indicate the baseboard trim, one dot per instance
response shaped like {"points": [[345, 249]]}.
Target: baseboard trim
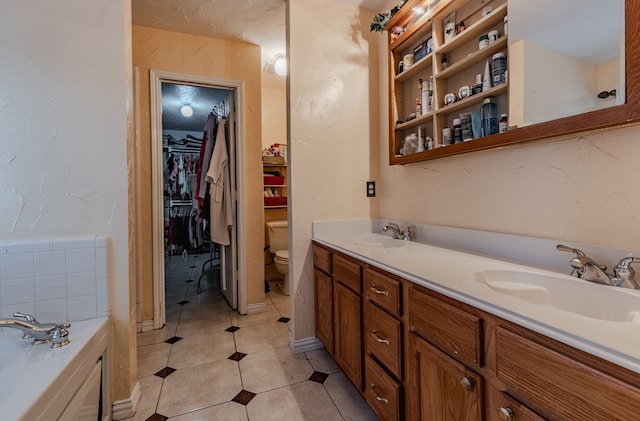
{"points": [[147, 325], [304, 345], [126, 408], [256, 308]]}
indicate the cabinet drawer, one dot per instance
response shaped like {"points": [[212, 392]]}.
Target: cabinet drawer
{"points": [[562, 387], [383, 338], [455, 331], [322, 259], [348, 272], [384, 291], [382, 393], [510, 407]]}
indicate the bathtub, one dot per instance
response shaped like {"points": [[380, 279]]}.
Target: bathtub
{"points": [[38, 382]]}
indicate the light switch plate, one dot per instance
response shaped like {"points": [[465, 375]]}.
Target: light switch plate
{"points": [[371, 189]]}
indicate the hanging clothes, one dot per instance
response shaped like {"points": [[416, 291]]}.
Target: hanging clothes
{"points": [[220, 189], [208, 140]]}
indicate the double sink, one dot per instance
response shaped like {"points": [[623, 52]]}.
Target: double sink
{"points": [[546, 290]]}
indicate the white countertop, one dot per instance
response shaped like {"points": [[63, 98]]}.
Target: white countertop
{"points": [[455, 274], [32, 377]]}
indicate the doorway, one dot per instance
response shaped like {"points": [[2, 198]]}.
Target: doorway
{"points": [[176, 143]]}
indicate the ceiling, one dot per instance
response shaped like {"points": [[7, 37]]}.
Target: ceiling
{"points": [[259, 22]]}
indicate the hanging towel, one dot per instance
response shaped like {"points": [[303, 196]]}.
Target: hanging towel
{"points": [[208, 140], [220, 189]]}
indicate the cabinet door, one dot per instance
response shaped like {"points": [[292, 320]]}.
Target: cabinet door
{"points": [[347, 307], [324, 308], [440, 388]]}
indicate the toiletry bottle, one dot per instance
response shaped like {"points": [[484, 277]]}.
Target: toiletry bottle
{"points": [[489, 117], [477, 88], [426, 106], [499, 67], [486, 81], [504, 123], [418, 107], [457, 130], [447, 136], [430, 99], [420, 140], [428, 143]]}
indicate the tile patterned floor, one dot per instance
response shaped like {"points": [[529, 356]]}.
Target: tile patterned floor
{"points": [[210, 363]]}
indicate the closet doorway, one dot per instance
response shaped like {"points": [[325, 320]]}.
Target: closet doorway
{"points": [[180, 210]]}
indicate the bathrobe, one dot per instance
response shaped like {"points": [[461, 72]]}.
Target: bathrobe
{"points": [[220, 189]]}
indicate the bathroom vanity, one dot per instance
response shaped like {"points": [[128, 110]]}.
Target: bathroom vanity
{"points": [[430, 333]]}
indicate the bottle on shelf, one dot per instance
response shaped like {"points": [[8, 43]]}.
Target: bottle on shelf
{"points": [[504, 123], [426, 105], [457, 130], [489, 117]]}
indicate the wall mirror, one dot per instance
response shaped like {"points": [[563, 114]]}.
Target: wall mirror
{"points": [[564, 58]]}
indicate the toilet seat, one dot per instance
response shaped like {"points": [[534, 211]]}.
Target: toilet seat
{"points": [[282, 255]]}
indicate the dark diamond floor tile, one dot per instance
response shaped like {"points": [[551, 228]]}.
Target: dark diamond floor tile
{"points": [[244, 397], [237, 356], [173, 340], [189, 280], [191, 267], [283, 319], [232, 329], [165, 372], [183, 302], [157, 417], [318, 377]]}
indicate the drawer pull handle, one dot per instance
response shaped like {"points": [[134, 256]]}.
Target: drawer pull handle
{"points": [[467, 383], [378, 338], [506, 414], [377, 291], [378, 398]]}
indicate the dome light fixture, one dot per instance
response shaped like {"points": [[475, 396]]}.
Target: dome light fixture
{"points": [[280, 65], [186, 110]]}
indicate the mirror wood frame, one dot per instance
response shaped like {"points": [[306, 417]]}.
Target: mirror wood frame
{"points": [[607, 117]]}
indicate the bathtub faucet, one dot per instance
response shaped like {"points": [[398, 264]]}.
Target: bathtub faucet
{"points": [[56, 333]]}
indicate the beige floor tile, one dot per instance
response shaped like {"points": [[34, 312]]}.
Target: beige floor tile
{"points": [[272, 369], [349, 402], [198, 387], [205, 306], [302, 401], [262, 337], [150, 387], [321, 361], [158, 335], [152, 358], [229, 411], [284, 307], [276, 293], [270, 315], [203, 324], [200, 349], [172, 312]]}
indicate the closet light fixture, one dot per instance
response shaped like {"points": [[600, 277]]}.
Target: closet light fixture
{"points": [[280, 65], [186, 110]]}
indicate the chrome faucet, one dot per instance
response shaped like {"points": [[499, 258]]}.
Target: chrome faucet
{"points": [[586, 268], [56, 333], [399, 234]]}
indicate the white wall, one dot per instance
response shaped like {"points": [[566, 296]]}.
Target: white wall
{"points": [[331, 111], [64, 113], [274, 115]]}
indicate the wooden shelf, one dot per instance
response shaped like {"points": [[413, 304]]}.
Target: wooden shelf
{"points": [[472, 100], [473, 58]]}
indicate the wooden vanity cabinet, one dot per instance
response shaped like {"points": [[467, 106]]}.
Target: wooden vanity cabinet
{"points": [[416, 354], [323, 288], [347, 317]]}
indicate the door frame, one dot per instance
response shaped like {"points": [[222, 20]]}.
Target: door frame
{"points": [[156, 78]]}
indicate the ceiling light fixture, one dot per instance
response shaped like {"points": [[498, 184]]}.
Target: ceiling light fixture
{"points": [[418, 11], [280, 65], [186, 110]]}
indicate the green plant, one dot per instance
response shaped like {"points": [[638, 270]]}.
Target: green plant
{"points": [[380, 19]]}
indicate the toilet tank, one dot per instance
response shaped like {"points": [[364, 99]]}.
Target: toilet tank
{"points": [[278, 235]]}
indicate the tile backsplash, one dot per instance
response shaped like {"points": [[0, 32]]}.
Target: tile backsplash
{"points": [[58, 279]]}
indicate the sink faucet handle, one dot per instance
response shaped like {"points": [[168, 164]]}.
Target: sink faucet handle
{"points": [[406, 234], [624, 273], [562, 247], [28, 317]]}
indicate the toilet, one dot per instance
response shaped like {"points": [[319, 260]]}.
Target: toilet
{"points": [[278, 237]]}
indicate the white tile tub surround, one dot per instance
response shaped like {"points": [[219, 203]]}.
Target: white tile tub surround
{"points": [[58, 279]]}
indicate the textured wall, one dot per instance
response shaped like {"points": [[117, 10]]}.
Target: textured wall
{"points": [[65, 104], [274, 115], [333, 105], [195, 55]]}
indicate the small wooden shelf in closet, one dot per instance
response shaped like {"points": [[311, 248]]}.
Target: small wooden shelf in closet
{"points": [[277, 184]]}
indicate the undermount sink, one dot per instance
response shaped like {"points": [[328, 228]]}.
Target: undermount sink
{"points": [[378, 240], [565, 293]]}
